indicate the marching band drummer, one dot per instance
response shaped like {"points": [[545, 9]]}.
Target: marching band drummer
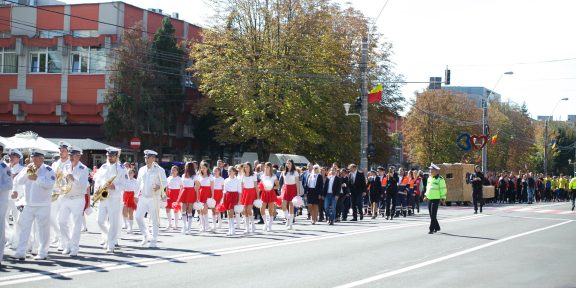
{"points": [[57, 166], [38, 179], [151, 183], [5, 189], [113, 175], [72, 203]]}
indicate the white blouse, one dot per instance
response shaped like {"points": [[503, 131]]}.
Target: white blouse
{"points": [[268, 182], [131, 185], [174, 182], [204, 181], [188, 182], [290, 178], [232, 185], [248, 181], [218, 183]]}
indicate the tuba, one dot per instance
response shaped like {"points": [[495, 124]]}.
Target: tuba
{"points": [[63, 184], [102, 192]]}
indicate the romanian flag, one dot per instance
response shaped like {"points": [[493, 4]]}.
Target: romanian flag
{"points": [[494, 139], [375, 95]]}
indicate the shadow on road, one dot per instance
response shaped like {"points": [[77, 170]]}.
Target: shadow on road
{"points": [[465, 236]]}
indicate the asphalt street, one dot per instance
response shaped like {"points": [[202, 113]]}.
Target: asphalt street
{"points": [[506, 246]]}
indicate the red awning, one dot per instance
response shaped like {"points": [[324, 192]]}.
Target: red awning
{"points": [[7, 42], [40, 42], [82, 109], [88, 41], [38, 108]]}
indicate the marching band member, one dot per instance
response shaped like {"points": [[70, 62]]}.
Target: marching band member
{"points": [[290, 179], [172, 192], [72, 203], [151, 184], [218, 187], [5, 188], [57, 166], [112, 176], [129, 200], [15, 168], [38, 179], [205, 186], [269, 182], [187, 196], [231, 198], [249, 194]]}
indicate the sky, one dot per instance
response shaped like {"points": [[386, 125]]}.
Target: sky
{"points": [[479, 40]]}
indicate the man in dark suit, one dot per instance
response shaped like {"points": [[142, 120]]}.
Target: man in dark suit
{"points": [[331, 193], [357, 191], [223, 171]]}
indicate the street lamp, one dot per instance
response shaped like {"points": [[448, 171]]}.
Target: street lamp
{"points": [[573, 164], [546, 135], [485, 121], [347, 109]]}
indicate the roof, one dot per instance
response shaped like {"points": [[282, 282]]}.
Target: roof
{"points": [[84, 144]]}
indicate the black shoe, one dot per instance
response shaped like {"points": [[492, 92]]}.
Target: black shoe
{"points": [[480, 209], [354, 219], [361, 217], [572, 207], [386, 217], [475, 212], [261, 222], [437, 230], [431, 232]]}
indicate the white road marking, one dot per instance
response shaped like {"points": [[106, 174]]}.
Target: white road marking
{"points": [[67, 272], [444, 258]]}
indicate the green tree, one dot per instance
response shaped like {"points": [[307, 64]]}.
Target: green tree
{"points": [[276, 74]]}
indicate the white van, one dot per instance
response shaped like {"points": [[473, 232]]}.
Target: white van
{"points": [[281, 159]]}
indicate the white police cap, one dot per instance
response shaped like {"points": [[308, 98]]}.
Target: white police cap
{"points": [[150, 153], [434, 166], [38, 153], [74, 150], [112, 151], [15, 152], [64, 144]]}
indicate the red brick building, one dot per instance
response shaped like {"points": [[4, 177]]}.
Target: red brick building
{"points": [[55, 64]]}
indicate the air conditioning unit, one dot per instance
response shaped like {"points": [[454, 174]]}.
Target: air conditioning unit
{"points": [[175, 15]]}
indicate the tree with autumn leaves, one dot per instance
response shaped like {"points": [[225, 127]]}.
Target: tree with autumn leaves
{"points": [[275, 75]]}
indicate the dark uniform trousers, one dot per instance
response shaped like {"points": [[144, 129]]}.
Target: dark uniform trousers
{"points": [[433, 210]]}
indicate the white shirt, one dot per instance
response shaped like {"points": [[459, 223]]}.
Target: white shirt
{"points": [[174, 182], [6, 182], [312, 178], [248, 181], [268, 182], [106, 172], [58, 167], [290, 178], [131, 185], [15, 187], [148, 178], [330, 184], [204, 181], [232, 185], [80, 183], [218, 183], [39, 192], [188, 182]]}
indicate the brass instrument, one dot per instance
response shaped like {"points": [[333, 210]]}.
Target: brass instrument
{"points": [[63, 184], [31, 169], [102, 192]]}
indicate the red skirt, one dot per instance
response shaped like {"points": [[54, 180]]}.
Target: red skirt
{"points": [[230, 200], [129, 199], [172, 197], [187, 195], [289, 192], [218, 196], [268, 196], [205, 193], [248, 196]]}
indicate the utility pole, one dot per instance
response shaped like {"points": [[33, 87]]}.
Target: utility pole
{"points": [[364, 111], [485, 132], [546, 147]]}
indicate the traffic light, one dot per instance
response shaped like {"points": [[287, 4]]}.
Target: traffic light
{"points": [[371, 150], [447, 76], [358, 103]]}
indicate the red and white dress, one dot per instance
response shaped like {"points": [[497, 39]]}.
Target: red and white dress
{"points": [[289, 190], [218, 187], [248, 190], [173, 190], [205, 188], [231, 192], [267, 193], [128, 196], [188, 193]]}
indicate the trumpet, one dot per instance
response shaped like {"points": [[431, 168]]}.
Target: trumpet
{"points": [[102, 192], [31, 169]]}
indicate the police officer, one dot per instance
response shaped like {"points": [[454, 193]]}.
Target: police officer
{"points": [[72, 203], [110, 208], [477, 179], [38, 179], [572, 187], [435, 193], [5, 188], [151, 182]]}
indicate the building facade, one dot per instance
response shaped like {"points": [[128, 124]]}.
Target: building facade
{"points": [[55, 63], [476, 94]]}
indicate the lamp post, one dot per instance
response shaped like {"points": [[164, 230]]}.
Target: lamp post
{"points": [[573, 164], [546, 135], [347, 109], [485, 122]]}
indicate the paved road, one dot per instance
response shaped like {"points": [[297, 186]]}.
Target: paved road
{"points": [[507, 246]]}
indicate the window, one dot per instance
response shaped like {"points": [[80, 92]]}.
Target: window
{"points": [[8, 60], [5, 35], [45, 60], [51, 33], [85, 33], [88, 60]]}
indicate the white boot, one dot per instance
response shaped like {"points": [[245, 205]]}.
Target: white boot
{"points": [[184, 224], [125, 226], [130, 225], [253, 224], [237, 218], [233, 227], [176, 217], [169, 216], [219, 218], [247, 224], [290, 221], [268, 223], [189, 228]]}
